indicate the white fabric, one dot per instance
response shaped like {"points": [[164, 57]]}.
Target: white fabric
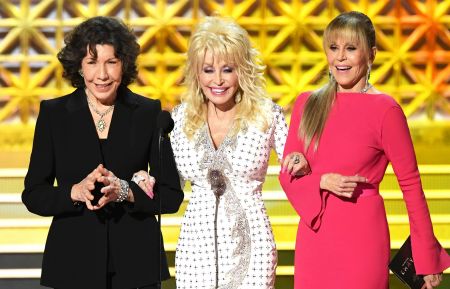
{"points": [[247, 255]]}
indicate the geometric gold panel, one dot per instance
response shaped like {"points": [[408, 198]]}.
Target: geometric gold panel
{"points": [[412, 63]]}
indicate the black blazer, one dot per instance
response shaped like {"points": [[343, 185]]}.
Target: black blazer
{"points": [[66, 149]]}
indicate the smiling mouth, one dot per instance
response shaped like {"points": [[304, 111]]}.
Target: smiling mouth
{"points": [[343, 68], [101, 86], [218, 91]]}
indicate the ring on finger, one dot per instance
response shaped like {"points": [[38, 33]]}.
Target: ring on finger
{"points": [[137, 179], [296, 159]]}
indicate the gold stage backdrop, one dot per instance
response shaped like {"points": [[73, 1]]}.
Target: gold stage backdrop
{"points": [[412, 63]]}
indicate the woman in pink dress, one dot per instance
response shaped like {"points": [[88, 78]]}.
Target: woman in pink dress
{"points": [[349, 132]]}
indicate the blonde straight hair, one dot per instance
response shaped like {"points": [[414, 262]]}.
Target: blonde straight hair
{"points": [[227, 41], [357, 28]]}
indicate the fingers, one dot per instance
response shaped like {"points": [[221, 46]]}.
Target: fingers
{"points": [[145, 182], [150, 183], [89, 205], [82, 192], [105, 199], [356, 179], [112, 186], [295, 164], [340, 185], [432, 280], [428, 284]]}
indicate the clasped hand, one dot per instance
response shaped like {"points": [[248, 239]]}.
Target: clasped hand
{"points": [[82, 192]]}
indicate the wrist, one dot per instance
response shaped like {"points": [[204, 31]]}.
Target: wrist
{"points": [[322, 183], [124, 191], [130, 197]]}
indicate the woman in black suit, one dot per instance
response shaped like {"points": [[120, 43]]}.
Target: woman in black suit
{"points": [[87, 144]]}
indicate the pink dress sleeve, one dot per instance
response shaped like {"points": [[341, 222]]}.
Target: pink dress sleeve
{"points": [[304, 192], [429, 256]]}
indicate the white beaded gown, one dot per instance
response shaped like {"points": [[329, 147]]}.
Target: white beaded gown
{"points": [[227, 241]]}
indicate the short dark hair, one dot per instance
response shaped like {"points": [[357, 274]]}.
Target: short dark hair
{"points": [[99, 30]]}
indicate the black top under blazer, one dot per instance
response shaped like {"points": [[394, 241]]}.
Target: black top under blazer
{"points": [[66, 149]]}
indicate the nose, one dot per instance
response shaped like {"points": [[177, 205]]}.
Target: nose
{"points": [[341, 55], [218, 78], [102, 72]]}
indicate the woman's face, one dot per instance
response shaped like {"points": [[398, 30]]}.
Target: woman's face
{"points": [[348, 63], [102, 75], [218, 81]]}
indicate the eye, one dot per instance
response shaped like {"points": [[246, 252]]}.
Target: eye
{"points": [[228, 69], [208, 70], [113, 61], [351, 48], [333, 47]]}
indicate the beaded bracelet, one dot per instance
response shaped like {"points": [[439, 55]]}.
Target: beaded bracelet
{"points": [[123, 193]]}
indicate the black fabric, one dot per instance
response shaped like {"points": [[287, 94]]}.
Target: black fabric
{"points": [[66, 149]]}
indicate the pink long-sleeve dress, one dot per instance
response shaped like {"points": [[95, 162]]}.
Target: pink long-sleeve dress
{"points": [[344, 243]]}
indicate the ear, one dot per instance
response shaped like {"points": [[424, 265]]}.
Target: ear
{"points": [[373, 52]]}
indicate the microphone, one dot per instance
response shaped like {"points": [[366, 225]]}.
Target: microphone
{"points": [[165, 124]]}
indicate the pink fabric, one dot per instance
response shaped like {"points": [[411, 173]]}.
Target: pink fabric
{"points": [[344, 243]]}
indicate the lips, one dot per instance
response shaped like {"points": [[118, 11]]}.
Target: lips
{"points": [[343, 68], [218, 91], [102, 86]]}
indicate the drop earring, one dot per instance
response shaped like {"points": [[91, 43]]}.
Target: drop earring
{"points": [[368, 85], [238, 97], [330, 75]]}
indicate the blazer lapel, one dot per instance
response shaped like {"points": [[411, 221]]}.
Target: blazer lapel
{"points": [[119, 135], [83, 133]]}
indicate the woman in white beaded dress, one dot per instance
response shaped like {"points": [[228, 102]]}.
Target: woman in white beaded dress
{"points": [[224, 131]]}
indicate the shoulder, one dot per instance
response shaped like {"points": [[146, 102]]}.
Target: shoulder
{"points": [[382, 101], [143, 101], [59, 104], [178, 111], [54, 102], [303, 97], [277, 110], [300, 101]]}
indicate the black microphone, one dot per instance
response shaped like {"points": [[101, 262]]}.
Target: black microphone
{"points": [[165, 124]]}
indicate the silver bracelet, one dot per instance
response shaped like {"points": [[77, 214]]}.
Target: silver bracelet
{"points": [[123, 193]]}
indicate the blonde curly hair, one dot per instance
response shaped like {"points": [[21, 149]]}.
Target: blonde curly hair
{"points": [[227, 41]]}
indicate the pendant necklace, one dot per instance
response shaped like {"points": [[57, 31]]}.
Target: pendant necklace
{"points": [[101, 123]]}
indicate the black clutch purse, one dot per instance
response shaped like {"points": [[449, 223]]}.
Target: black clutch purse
{"points": [[402, 265]]}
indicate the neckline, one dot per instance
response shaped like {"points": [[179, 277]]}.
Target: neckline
{"points": [[225, 139], [356, 92]]}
